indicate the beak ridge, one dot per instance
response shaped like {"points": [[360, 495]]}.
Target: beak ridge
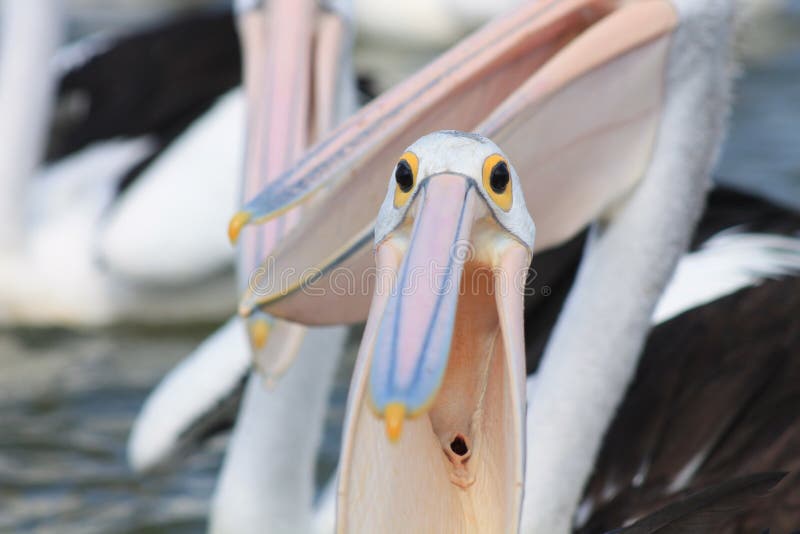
{"points": [[407, 370]]}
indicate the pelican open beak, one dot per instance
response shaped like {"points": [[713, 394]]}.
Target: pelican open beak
{"points": [[295, 83], [572, 89], [436, 412]]}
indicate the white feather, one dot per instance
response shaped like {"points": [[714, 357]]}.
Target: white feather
{"points": [[325, 510], [198, 384], [53, 277], [80, 52], [725, 264], [170, 226], [30, 35], [267, 482], [51, 222]]}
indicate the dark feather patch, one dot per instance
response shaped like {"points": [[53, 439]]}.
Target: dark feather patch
{"points": [[723, 379], [707, 510], [152, 81]]}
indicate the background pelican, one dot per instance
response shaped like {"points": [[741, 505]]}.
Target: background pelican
{"points": [[73, 252], [275, 460], [313, 42]]}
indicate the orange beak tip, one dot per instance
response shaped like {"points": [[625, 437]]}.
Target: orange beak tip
{"points": [[259, 334], [238, 222], [394, 416]]}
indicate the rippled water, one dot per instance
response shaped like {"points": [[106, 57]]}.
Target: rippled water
{"points": [[67, 399], [67, 402]]}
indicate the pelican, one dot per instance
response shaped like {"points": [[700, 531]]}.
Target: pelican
{"points": [[441, 369], [299, 81], [310, 42], [613, 113], [74, 238]]}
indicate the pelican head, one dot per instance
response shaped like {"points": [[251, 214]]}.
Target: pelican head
{"points": [[441, 369]]}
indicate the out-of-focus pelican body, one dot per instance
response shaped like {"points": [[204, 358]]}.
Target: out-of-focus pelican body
{"points": [[299, 83], [612, 112], [37, 28], [59, 217]]}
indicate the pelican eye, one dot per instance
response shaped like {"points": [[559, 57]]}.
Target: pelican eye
{"points": [[405, 177], [497, 181], [499, 178]]}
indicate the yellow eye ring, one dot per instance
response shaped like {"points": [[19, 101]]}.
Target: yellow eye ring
{"points": [[497, 181], [405, 176]]}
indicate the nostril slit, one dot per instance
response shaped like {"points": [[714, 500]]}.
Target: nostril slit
{"points": [[459, 445]]}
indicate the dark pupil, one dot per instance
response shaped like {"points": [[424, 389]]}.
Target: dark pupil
{"points": [[499, 178], [404, 176]]}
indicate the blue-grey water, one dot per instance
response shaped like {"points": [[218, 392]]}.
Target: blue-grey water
{"points": [[67, 399], [762, 152], [66, 404]]}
